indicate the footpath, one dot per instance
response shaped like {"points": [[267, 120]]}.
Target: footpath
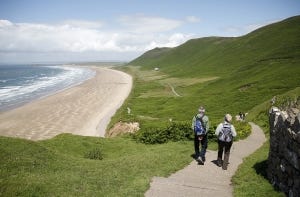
{"points": [[208, 179]]}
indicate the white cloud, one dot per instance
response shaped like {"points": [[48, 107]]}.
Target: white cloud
{"points": [[239, 31], [84, 24], [43, 38], [253, 27], [24, 37], [192, 19], [134, 35], [172, 40], [5, 23]]}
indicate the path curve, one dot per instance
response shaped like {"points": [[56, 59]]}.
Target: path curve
{"points": [[207, 180], [173, 90]]}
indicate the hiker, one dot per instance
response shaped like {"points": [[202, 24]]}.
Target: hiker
{"points": [[225, 132], [200, 126], [241, 115]]}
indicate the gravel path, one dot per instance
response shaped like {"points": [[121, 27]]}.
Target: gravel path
{"points": [[208, 179]]}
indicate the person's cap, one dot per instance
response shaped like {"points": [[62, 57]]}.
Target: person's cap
{"points": [[201, 109], [228, 117]]}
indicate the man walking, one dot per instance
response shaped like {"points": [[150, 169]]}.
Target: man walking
{"points": [[200, 125]]}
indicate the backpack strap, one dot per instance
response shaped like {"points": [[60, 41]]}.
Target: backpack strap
{"points": [[196, 116], [227, 123]]}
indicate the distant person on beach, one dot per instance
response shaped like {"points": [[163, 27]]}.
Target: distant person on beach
{"points": [[200, 126], [225, 133]]}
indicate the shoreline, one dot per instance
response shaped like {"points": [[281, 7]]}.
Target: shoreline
{"points": [[53, 90], [84, 109]]}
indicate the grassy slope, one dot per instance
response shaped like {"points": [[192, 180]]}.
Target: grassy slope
{"points": [[57, 167], [250, 70], [252, 173], [239, 73]]}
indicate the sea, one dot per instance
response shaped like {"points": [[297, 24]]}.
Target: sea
{"points": [[21, 84]]}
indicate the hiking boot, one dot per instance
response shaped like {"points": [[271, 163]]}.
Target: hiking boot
{"points": [[200, 161], [225, 162], [219, 162], [196, 155]]}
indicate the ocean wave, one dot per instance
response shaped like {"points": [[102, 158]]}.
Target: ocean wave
{"points": [[42, 85]]}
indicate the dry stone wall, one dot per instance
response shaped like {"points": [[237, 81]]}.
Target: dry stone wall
{"points": [[284, 156]]}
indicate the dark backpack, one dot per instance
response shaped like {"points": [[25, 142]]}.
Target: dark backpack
{"points": [[198, 127], [225, 135]]}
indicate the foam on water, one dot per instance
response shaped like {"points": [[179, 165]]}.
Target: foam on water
{"points": [[17, 91]]}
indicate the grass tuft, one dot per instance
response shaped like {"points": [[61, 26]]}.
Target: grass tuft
{"points": [[95, 154]]}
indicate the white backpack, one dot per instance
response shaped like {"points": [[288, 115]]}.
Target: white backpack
{"points": [[225, 134]]}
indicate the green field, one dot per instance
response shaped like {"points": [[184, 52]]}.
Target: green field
{"points": [[70, 166], [227, 75]]}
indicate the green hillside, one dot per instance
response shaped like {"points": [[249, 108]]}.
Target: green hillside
{"points": [[217, 55], [237, 73]]}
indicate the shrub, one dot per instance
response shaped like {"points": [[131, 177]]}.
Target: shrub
{"points": [[284, 102], [243, 129], [175, 131], [178, 131], [211, 133], [95, 154]]}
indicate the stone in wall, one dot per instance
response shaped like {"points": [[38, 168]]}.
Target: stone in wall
{"points": [[284, 155]]}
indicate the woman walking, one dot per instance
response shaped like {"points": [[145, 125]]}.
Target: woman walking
{"points": [[225, 132]]}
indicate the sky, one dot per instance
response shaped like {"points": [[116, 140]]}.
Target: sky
{"points": [[40, 31]]}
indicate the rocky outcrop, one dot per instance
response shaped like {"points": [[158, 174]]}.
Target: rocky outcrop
{"points": [[284, 156]]}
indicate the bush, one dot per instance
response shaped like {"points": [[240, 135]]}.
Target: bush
{"points": [[211, 133], [95, 154], [284, 102], [175, 131], [243, 129]]}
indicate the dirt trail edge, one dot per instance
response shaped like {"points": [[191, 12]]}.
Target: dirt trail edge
{"points": [[208, 179]]}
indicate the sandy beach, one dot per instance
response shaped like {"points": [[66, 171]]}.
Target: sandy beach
{"points": [[85, 109]]}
